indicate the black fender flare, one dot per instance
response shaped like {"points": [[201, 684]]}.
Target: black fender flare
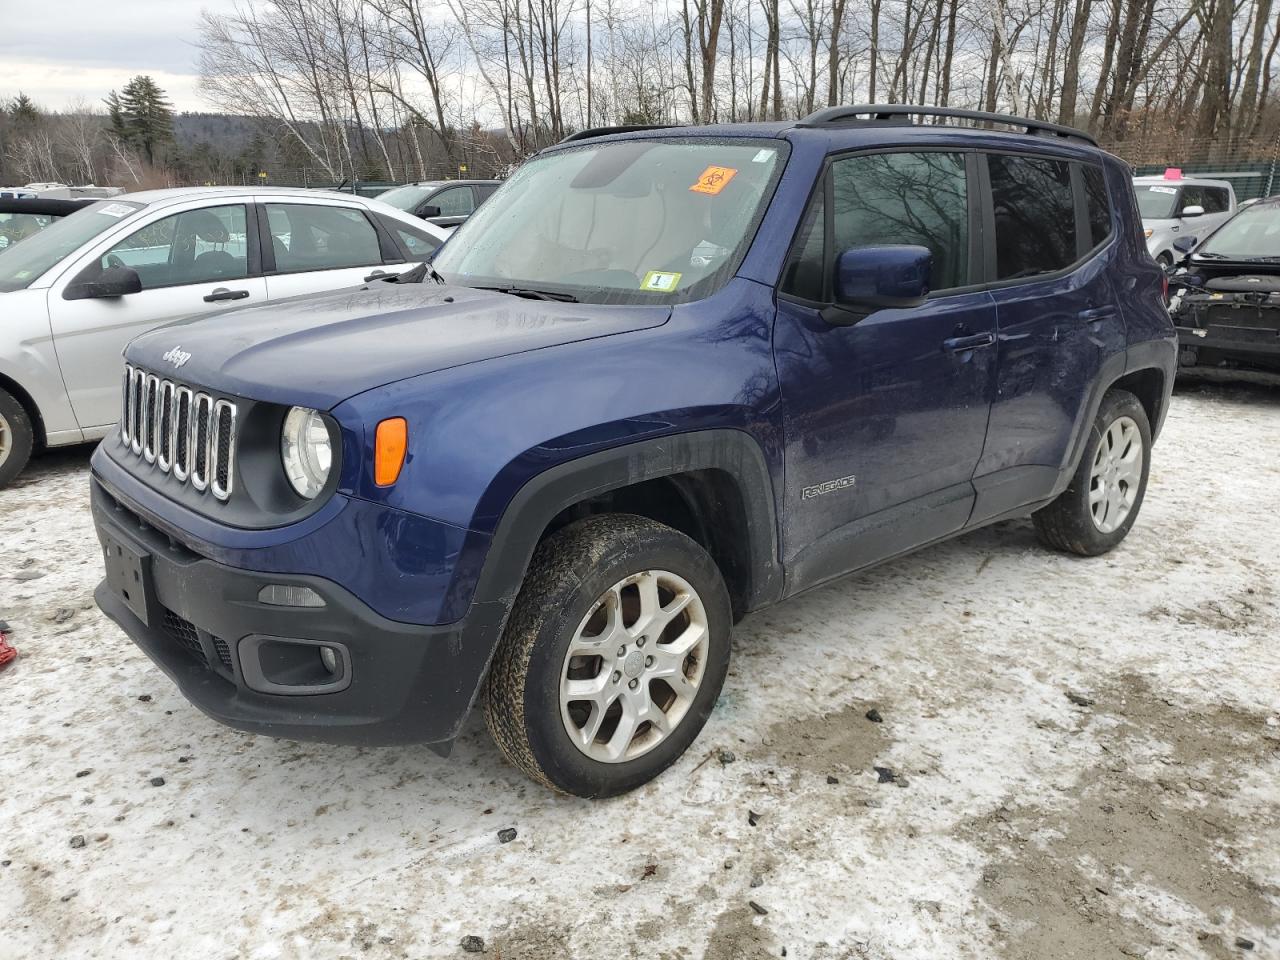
{"points": [[545, 495]]}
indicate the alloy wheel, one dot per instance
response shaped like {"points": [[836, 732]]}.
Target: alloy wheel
{"points": [[1116, 476], [634, 666], [6, 439]]}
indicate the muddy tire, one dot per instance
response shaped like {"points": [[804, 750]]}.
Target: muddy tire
{"points": [[1100, 506], [612, 658], [16, 438]]}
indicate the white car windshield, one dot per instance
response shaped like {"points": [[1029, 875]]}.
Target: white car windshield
{"points": [[22, 263], [626, 221], [1155, 202], [1253, 234]]}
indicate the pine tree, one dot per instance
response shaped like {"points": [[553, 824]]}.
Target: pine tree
{"points": [[141, 116], [23, 112]]}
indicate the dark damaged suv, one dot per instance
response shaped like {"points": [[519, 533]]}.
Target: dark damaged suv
{"points": [[1226, 304], [663, 378]]}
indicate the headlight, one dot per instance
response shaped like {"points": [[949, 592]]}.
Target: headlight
{"points": [[305, 451]]}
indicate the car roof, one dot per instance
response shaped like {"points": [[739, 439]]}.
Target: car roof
{"points": [[443, 183], [828, 131], [1157, 179], [176, 194]]}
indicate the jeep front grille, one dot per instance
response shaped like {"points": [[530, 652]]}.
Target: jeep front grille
{"points": [[189, 434]]}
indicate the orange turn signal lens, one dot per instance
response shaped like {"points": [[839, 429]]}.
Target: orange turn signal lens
{"points": [[388, 450]]}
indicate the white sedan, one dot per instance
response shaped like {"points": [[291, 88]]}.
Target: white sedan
{"points": [[73, 295]]}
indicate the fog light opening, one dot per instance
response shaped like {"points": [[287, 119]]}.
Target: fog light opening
{"points": [[329, 658], [283, 595]]}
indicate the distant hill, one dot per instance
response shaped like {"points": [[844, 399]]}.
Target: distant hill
{"points": [[231, 134]]}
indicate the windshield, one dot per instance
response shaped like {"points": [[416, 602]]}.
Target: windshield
{"points": [[629, 221], [1155, 202], [22, 263], [19, 226], [408, 196], [1252, 234]]}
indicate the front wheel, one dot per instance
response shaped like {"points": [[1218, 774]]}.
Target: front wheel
{"points": [[16, 438], [1096, 511], [613, 657]]}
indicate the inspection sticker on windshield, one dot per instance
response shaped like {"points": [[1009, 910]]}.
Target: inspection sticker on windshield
{"points": [[660, 281], [713, 179], [1163, 189], [116, 210]]}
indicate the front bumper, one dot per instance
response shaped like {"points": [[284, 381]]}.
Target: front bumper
{"points": [[199, 620]]}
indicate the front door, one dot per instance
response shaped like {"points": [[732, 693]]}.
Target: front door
{"points": [[194, 262], [885, 419]]}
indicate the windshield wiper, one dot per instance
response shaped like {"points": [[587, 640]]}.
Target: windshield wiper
{"points": [[531, 294], [421, 272]]}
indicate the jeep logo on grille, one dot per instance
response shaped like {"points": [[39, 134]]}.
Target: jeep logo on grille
{"points": [[177, 356]]}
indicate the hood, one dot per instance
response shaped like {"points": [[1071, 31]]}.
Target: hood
{"points": [[319, 350]]}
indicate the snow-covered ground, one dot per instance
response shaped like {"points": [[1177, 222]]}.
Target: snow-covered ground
{"points": [[1141, 818]]}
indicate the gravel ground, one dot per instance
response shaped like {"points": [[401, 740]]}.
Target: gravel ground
{"points": [[1081, 759]]}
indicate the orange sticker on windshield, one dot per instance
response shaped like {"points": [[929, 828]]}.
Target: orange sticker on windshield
{"points": [[713, 179]]}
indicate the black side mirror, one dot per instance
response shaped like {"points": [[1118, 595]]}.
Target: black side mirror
{"points": [[430, 210], [877, 278], [1184, 245], [111, 282]]}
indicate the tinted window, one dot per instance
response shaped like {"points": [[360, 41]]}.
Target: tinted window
{"points": [[485, 190], [454, 202], [1216, 200], [1034, 214], [307, 237], [419, 243], [806, 267], [913, 198], [1098, 204], [195, 246], [1191, 197]]}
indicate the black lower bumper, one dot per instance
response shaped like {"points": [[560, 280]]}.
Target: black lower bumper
{"points": [[201, 622]]}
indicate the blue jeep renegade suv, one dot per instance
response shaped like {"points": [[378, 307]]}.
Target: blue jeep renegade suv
{"points": [[663, 378]]}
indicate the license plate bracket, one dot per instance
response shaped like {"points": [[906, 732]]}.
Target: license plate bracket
{"points": [[129, 576]]}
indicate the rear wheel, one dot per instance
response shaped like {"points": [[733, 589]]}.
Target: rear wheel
{"points": [[1100, 506], [613, 656], [16, 438]]}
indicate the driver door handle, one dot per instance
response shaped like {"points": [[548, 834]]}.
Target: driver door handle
{"points": [[973, 342], [223, 293]]}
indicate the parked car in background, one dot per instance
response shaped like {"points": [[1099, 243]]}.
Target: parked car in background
{"points": [[446, 203], [23, 217], [74, 294], [1173, 206], [1226, 305], [663, 378]]}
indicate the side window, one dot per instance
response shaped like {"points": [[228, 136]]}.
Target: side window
{"points": [[805, 271], [420, 244], [454, 202], [913, 198], [485, 190], [311, 237], [195, 246], [1034, 215], [1215, 200], [1191, 197], [1097, 203]]}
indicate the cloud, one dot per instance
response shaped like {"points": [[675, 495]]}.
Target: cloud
{"points": [[65, 50]]}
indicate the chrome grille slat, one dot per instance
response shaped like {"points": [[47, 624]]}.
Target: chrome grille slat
{"points": [[190, 435]]}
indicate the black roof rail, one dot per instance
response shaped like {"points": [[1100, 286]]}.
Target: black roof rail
{"points": [[626, 128], [900, 112]]}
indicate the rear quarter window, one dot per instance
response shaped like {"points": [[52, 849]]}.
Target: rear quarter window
{"points": [[1097, 203]]}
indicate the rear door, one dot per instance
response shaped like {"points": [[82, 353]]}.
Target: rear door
{"points": [[884, 419], [1058, 320], [198, 260], [314, 246]]}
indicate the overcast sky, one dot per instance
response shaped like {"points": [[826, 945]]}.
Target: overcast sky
{"points": [[58, 51]]}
